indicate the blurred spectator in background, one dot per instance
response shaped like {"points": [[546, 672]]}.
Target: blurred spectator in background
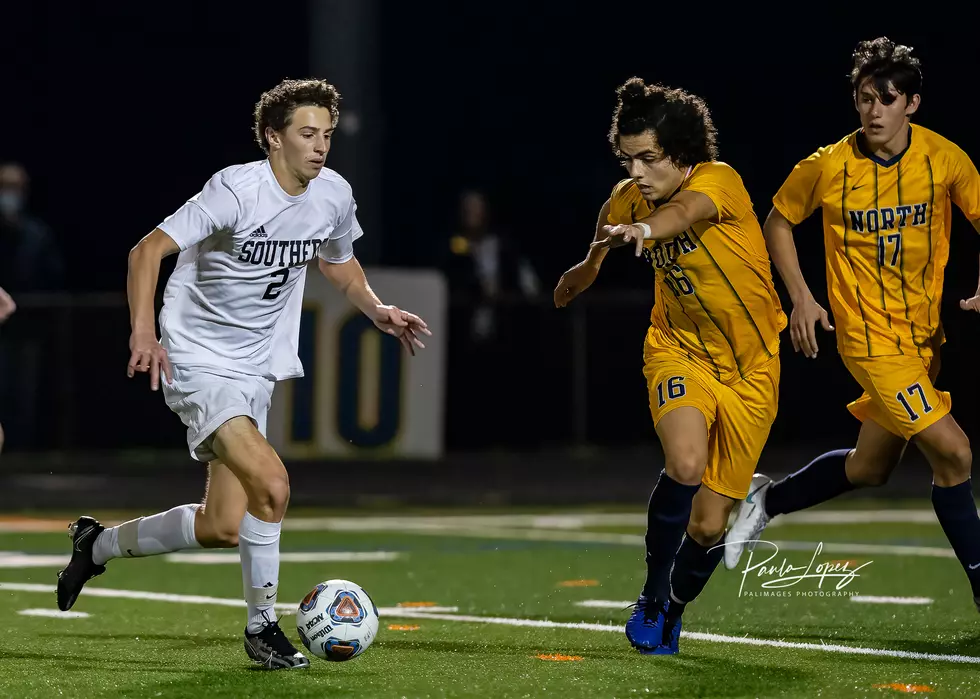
{"points": [[486, 264], [31, 261], [490, 283], [7, 306]]}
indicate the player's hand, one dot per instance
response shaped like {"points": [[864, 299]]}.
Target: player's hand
{"points": [[148, 355], [971, 304], [7, 306], [620, 235], [802, 326], [574, 282], [401, 324]]}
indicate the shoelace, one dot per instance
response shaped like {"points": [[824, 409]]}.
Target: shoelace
{"points": [[277, 639], [650, 611]]}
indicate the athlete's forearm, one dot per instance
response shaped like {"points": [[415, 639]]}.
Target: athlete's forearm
{"points": [[349, 278], [668, 221], [978, 285], [779, 241], [680, 213], [362, 296], [141, 283], [597, 255]]}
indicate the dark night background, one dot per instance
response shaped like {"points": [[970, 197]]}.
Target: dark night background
{"points": [[122, 113]]}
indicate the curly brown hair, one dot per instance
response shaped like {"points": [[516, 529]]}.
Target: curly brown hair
{"points": [[886, 62], [275, 107], [680, 120]]}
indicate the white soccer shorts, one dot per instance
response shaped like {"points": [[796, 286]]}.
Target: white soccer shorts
{"points": [[206, 397]]}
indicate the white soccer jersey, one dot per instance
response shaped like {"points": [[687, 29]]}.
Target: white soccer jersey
{"points": [[234, 300]]}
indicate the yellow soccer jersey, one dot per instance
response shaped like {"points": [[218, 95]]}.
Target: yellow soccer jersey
{"points": [[886, 233], [715, 297]]}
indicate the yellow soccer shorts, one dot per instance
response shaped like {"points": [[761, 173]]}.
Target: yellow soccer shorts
{"points": [[898, 392], [738, 417]]}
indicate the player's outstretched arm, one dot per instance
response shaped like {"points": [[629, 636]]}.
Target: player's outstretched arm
{"points": [[973, 303], [806, 312], [667, 221], [348, 277], [146, 353], [580, 277], [7, 305]]}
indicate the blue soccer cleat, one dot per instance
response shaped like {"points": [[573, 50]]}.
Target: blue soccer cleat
{"points": [[671, 635], [645, 627]]}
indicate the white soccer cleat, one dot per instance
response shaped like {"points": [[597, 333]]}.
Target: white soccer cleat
{"points": [[750, 521]]}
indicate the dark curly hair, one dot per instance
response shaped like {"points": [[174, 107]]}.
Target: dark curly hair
{"points": [[886, 62], [275, 107], [680, 120]]}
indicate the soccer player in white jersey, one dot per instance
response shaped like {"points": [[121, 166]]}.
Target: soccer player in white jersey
{"points": [[228, 331]]}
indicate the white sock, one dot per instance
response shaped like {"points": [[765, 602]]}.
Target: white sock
{"points": [[164, 532], [258, 543]]}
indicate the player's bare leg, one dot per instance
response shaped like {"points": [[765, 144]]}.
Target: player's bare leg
{"points": [[684, 436], [870, 463], [947, 448], [220, 516], [247, 454], [212, 524], [696, 560]]}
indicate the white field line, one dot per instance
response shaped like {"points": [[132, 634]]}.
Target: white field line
{"points": [[504, 621], [554, 521], [54, 613], [866, 599], [604, 604], [212, 558], [11, 559], [283, 607], [869, 549], [583, 521], [16, 559]]}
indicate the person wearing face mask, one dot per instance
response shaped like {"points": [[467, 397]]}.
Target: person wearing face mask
{"points": [[7, 307], [32, 259], [31, 262]]}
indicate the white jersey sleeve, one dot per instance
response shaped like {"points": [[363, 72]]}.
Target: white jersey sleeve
{"points": [[214, 209], [339, 246]]}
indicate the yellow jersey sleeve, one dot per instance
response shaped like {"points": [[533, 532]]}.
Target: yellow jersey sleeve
{"points": [[964, 185], [801, 192], [623, 202], [720, 183]]}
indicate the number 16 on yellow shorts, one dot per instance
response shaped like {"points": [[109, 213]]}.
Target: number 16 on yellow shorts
{"points": [[738, 417]]}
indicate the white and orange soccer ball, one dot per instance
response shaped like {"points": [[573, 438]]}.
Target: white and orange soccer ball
{"points": [[337, 620]]}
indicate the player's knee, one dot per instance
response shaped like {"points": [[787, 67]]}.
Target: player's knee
{"points": [[868, 478], [270, 495], [687, 467], [867, 473], [707, 530], [223, 536], [213, 531], [955, 466]]}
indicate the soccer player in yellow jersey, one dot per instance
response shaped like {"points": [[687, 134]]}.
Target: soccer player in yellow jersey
{"points": [[711, 355], [887, 193]]}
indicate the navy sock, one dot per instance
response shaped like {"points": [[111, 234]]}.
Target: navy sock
{"points": [[820, 480], [957, 513], [667, 518], [693, 565]]}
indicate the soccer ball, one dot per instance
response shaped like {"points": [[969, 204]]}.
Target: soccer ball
{"points": [[337, 620]]}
